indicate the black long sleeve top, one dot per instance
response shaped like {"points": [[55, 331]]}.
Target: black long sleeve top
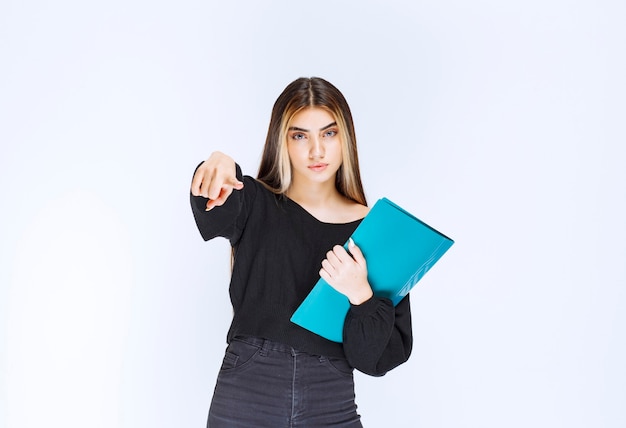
{"points": [[278, 248]]}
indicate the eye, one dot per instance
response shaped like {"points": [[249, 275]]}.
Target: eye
{"points": [[298, 136], [330, 133]]}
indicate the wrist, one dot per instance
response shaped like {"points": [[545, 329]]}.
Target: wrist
{"points": [[362, 296]]}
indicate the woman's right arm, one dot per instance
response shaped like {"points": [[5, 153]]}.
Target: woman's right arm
{"points": [[215, 198], [215, 179]]}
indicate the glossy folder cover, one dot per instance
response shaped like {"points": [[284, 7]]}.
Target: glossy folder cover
{"points": [[399, 249]]}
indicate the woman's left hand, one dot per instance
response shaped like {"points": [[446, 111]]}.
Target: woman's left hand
{"points": [[347, 273]]}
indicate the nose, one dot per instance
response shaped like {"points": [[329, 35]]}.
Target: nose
{"points": [[317, 149]]}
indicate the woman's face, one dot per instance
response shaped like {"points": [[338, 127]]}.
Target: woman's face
{"points": [[314, 146]]}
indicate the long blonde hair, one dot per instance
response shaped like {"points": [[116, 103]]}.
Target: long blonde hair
{"points": [[275, 168]]}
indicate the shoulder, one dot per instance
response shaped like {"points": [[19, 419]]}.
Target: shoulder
{"points": [[350, 211], [362, 210]]}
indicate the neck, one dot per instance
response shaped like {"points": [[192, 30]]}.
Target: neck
{"points": [[313, 194]]}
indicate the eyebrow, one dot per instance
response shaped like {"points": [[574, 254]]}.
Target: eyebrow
{"points": [[295, 128]]}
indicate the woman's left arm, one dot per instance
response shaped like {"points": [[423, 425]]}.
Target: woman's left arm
{"points": [[377, 335]]}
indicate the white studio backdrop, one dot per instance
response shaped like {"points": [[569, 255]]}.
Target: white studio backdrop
{"points": [[500, 123]]}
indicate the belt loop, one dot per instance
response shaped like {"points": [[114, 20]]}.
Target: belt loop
{"points": [[264, 348]]}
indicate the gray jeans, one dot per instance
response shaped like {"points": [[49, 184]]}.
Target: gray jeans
{"points": [[267, 384]]}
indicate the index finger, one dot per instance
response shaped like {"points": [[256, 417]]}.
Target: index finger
{"points": [[355, 252]]}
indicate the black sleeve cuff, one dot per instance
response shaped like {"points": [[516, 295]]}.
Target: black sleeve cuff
{"points": [[368, 307]]}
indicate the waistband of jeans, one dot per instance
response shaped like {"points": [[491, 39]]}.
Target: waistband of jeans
{"points": [[268, 345]]}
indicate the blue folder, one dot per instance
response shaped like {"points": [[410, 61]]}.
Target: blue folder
{"points": [[399, 250]]}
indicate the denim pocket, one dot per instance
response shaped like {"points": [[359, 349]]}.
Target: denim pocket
{"points": [[239, 354], [338, 365]]}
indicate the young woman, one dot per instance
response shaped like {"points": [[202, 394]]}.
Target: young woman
{"points": [[286, 228]]}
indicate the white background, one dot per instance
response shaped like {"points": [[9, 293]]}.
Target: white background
{"points": [[499, 122]]}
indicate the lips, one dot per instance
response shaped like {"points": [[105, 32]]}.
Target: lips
{"points": [[318, 167]]}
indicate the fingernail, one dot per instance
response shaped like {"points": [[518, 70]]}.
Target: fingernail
{"points": [[350, 242]]}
